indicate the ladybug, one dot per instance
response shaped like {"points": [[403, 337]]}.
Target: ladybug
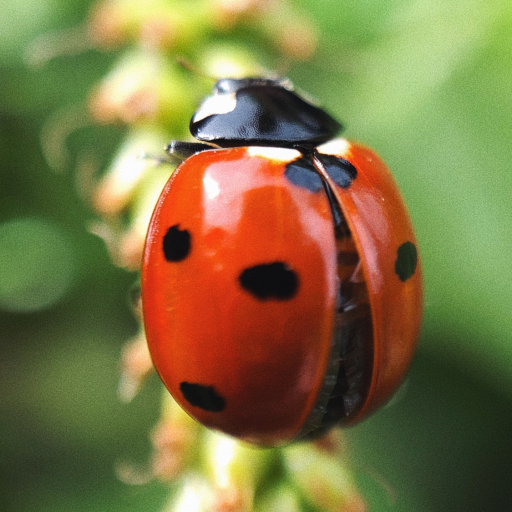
{"points": [[281, 283]]}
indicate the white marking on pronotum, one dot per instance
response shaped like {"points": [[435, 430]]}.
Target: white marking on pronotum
{"points": [[277, 154], [337, 147], [215, 105]]}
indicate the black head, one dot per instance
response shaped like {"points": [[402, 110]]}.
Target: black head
{"points": [[260, 111]]}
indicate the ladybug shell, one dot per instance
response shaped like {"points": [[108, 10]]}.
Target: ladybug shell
{"points": [[383, 234], [240, 284]]}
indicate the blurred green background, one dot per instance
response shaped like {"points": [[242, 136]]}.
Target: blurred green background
{"points": [[428, 84]]}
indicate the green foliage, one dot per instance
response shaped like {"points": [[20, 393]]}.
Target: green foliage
{"points": [[428, 84]]}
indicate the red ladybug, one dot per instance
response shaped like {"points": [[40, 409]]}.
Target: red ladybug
{"points": [[281, 285]]}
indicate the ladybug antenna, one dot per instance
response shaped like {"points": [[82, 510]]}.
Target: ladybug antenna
{"points": [[185, 64]]}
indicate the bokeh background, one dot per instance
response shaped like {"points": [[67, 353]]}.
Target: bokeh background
{"points": [[428, 84]]}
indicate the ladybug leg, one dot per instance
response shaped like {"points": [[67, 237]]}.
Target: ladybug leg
{"points": [[180, 150]]}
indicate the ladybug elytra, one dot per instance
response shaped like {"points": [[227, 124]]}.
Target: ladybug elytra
{"points": [[281, 283]]}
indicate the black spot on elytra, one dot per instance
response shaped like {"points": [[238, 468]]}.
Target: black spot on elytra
{"points": [[270, 281], [204, 397], [302, 172], [341, 171], [176, 244], [406, 261]]}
